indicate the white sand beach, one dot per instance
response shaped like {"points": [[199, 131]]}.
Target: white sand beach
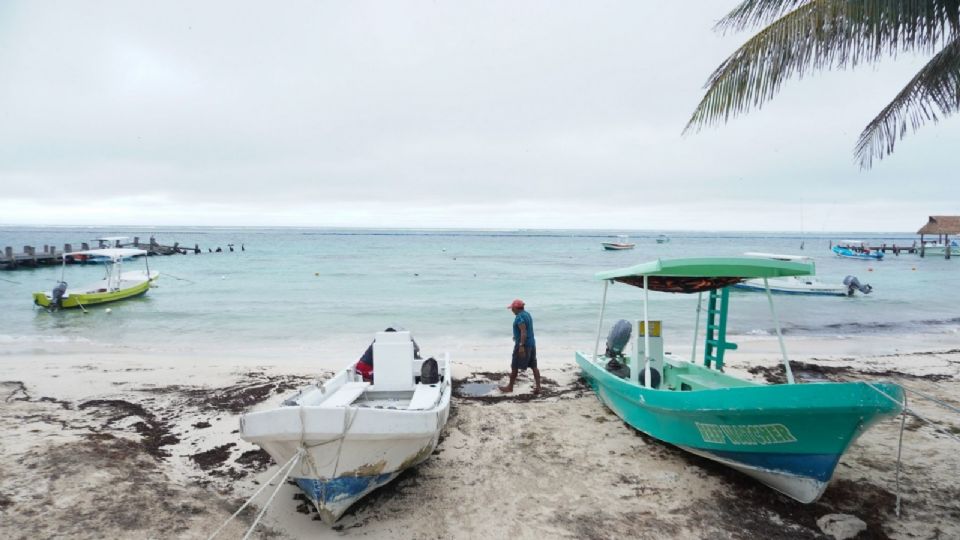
{"points": [[136, 445]]}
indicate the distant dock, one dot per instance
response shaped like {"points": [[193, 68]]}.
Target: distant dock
{"points": [[49, 255]]}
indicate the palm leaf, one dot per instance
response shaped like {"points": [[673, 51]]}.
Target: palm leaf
{"points": [[818, 35], [934, 92], [756, 12]]}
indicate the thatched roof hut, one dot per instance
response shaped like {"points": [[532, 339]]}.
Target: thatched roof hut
{"points": [[949, 225]]}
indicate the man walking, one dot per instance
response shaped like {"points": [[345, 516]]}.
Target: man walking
{"points": [[524, 347]]}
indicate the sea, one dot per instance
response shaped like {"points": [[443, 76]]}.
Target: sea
{"points": [[302, 290]]}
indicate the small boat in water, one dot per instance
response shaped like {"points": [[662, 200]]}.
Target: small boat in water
{"points": [[663, 239], [856, 249], [788, 436], [939, 249], [620, 244], [115, 285], [801, 285], [354, 436]]}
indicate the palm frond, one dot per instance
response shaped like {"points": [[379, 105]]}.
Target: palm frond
{"points": [[933, 93], [755, 12], [820, 35]]}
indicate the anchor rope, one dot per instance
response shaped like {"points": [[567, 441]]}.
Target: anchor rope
{"points": [[349, 415], [904, 411], [254, 496], [273, 495]]}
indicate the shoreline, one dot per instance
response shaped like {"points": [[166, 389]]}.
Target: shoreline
{"points": [[106, 436]]}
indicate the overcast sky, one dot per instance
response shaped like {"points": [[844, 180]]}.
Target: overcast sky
{"points": [[432, 114]]}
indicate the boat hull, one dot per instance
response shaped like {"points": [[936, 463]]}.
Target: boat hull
{"points": [[790, 437], [778, 288], [617, 247]]}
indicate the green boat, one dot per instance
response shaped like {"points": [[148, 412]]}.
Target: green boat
{"points": [[788, 436], [115, 285]]}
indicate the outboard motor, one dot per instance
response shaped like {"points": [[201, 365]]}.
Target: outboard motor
{"points": [[853, 284], [618, 338], [429, 372], [57, 294]]}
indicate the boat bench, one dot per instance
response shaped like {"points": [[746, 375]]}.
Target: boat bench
{"points": [[424, 397], [345, 395], [696, 382]]}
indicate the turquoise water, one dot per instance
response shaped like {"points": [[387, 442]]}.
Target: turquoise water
{"points": [[310, 287]]}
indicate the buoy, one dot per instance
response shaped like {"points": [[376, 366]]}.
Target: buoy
{"points": [[869, 269], [108, 310], [316, 274], [223, 277], [914, 268]]}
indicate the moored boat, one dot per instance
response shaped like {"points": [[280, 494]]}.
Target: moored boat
{"points": [[352, 435], [621, 244], [115, 285], [801, 285], [788, 436], [856, 249]]}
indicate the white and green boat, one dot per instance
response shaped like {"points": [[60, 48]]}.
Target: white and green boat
{"points": [[115, 284], [789, 436]]}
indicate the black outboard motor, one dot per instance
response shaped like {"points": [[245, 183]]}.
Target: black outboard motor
{"points": [[618, 338], [57, 294], [853, 284], [429, 372]]}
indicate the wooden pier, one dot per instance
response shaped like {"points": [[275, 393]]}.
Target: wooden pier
{"points": [[49, 255]]}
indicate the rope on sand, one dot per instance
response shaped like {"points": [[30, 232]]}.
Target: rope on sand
{"points": [[904, 411], [288, 467]]}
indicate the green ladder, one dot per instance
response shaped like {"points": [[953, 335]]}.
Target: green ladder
{"points": [[716, 343]]}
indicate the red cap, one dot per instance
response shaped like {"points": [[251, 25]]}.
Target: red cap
{"points": [[516, 304]]}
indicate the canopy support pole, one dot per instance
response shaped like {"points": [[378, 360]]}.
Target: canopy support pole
{"points": [[603, 306], [696, 327], [63, 267], [646, 333], [776, 323]]}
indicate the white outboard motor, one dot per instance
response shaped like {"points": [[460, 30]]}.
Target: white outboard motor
{"points": [[57, 294], [853, 284]]}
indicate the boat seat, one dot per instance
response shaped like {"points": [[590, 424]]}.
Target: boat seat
{"points": [[345, 395], [698, 382], [424, 397]]}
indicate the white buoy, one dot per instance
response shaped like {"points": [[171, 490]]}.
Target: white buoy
{"points": [[108, 310]]}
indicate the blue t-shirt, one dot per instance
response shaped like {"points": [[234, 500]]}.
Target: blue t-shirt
{"points": [[524, 318]]}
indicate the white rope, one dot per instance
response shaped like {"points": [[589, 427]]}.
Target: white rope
{"points": [[903, 422], [904, 410], [933, 399], [275, 491], [252, 497]]}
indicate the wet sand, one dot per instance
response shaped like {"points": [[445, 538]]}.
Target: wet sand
{"points": [[133, 445]]}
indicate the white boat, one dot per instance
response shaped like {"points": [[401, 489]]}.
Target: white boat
{"points": [[801, 285], [940, 249], [663, 239], [621, 243], [356, 436]]}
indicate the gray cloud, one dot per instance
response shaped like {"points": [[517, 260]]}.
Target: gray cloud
{"points": [[471, 113]]}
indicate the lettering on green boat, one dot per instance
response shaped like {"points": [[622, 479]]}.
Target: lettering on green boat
{"points": [[749, 434]]}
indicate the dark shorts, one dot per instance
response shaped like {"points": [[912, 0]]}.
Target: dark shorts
{"points": [[522, 362]]}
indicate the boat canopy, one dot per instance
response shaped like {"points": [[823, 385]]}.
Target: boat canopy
{"points": [[114, 254], [704, 274]]}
